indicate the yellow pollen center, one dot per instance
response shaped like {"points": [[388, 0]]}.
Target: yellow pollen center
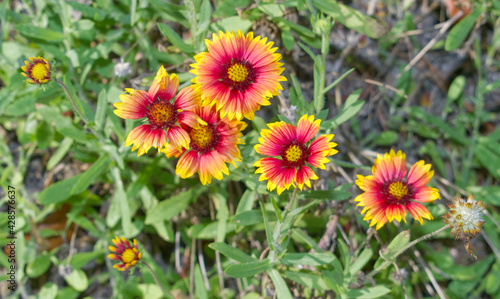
{"points": [[293, 153], [161, 112], [202, 136], [398, 190], [128, 256], [237, 72], [39, 72]]}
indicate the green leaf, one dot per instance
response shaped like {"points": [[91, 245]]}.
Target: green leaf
{"points": [[325, 194], [44, 135], [252, 217], [167, 209], [232, 252], [489, 160], [453, 133], [351, 18], [59, 191], [280, 285], [227, 8], [248, 269], [80, 259], [246, 201], [102, 103], [59, 153], [310, 280], [48, 291], [32, 31], [232, 23], [77, 280], [310, 259], [386, 138], [368, 293], [259, 124], [351, 107], [39, 266], [461, 30], [175, 39], [199, 285], [288, 39], [90, 175], [456, 89], [363, 258]]}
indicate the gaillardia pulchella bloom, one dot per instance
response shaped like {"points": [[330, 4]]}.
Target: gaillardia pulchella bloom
{"points": [[238, 74], [212, 146], [390, 193], [127, 254], [164, 115], [465, 219], [290, 150], [37, 70]]}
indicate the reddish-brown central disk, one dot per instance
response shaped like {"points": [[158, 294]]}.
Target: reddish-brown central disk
{"points": [[238, 75], [161, 115], [397, 192], [295, 154], [204, 138]]}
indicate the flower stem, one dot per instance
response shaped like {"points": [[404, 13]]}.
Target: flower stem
{"points": [[72, 100], [386, 262], [157, 281]]}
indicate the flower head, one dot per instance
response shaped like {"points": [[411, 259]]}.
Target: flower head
{"points": [[37, 70], [390, 193], [465, 219], [164, 115], [238, 73], [289, 148], [212, 145], [127, 254]]}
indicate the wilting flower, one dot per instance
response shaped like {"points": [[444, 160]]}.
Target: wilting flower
{"points": [[465, 219], [289, 149], [163, 114], [390, 194], [212, 146], [238, 73], [37, 70], [127, 254]]}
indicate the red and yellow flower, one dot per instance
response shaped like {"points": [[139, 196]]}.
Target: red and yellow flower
{"points": [[127, 254], [238, 73], [165, 116], [37, 70], [212, 145], [390, 193], [289, 149]]}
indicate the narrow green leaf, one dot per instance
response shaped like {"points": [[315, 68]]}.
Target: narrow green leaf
{"points": [[77, 280], [252, 217], [374, 292], [363, 258], [32, 31], [48, 291], [398, 243], [310, 259], [232, 252], [351, 107], [59, 153], [386, 138], [351, 18], [288, 39], [325, 194], [102, 102], [90, 175], [44, 135], [461, 30], [39, 266], [58, 192], [199, 285], [167, 209], [279, 284], [248, 269], [175, 39], [310, 280], [246, 201]]}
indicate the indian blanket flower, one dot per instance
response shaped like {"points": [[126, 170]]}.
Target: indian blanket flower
{"points": [[124, 252], [290, 151], [238, 73], [212, 145], [164, 115], [37, 70], [465, 219], [390, 193]]}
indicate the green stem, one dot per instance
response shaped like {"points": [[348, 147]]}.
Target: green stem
{"points": [[157, 281], [72, 100], [386, 263]]}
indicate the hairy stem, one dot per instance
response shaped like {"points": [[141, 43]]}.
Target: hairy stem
{"points": [[386, 263]]}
